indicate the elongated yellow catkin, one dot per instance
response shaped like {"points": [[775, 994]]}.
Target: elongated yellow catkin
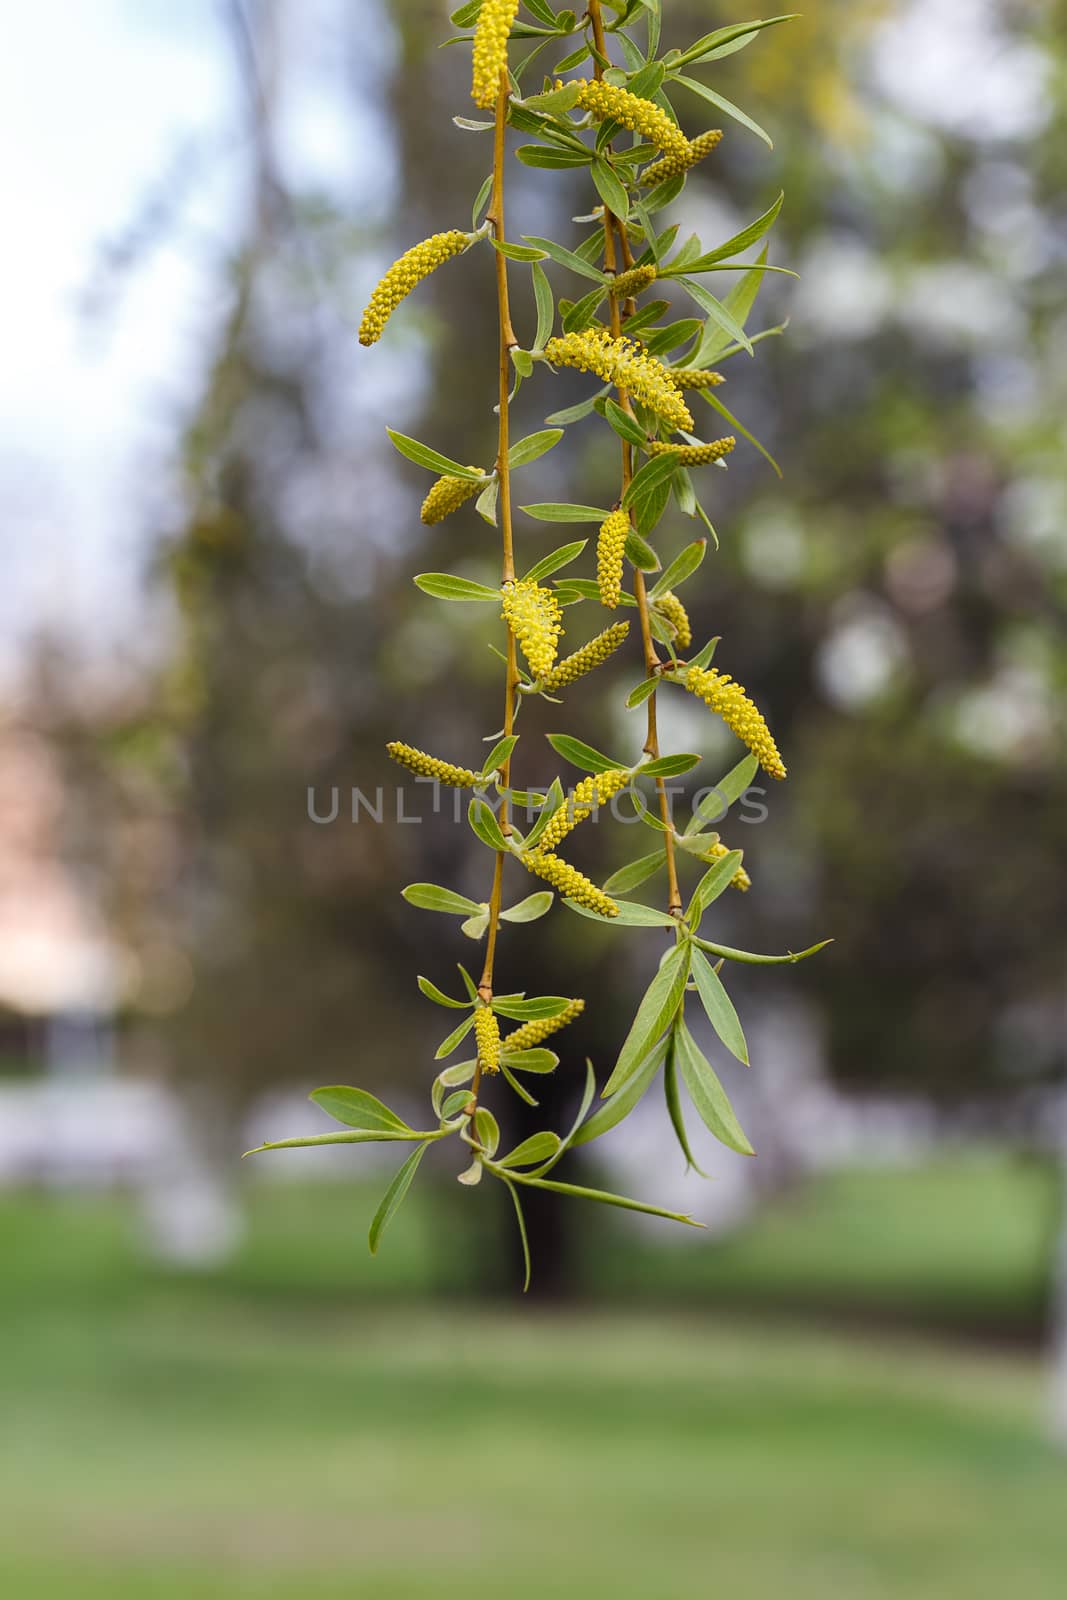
{"points": [[696, 377], [414, 265], [568, 881], [729, 701], [491, 49], [447, 495], [587, 657], [675, 162], [610, 544], [604, 100], [693, 455], [627, 284], [430, 767], [532, 1033], [588, 795], [623, 363], [533, 614], [740, 879], [487, 1038], [676, 617]]}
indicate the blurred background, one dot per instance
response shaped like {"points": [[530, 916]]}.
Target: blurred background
{"points": [[855, 1381]]}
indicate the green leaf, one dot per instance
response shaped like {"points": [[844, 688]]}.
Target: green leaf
{"points": [[635, 872], [546, 307], [545, 1005], [446, 1047], [739, 303], [516, 252], [582, 755], [423, 456], [558, 558], [708, 1094], [438, 996], [498, 755], [519, 1088], [393, 1197], [719, 1007], [717, 311], [528, 910], [555, 101], [610, 190], [431, 897], [485, 505], [749, 956], [674, 1110], [582, 312], [574, 413], [669, 766], [358, 1136], [558, 511], [611, 1112], [723, 104], [683, 566], [544, 155], [533, 446], [485, 825], [607, 1199], [630, 915], [650, 476], [739, 241], [358, 1109], [655, 1013], [520, 1219], [625, 425], [638, 552], [715, 882], [481, 200], [540, 1061], [567, 258], [724, 40], [553, 801], [638, 696], [486, 1130], [714, 806], [734, 422], [446, 586], [538, 1147]]}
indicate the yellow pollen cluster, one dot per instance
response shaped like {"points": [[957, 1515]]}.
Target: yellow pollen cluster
{"points": [[447, 495], [729, 701], [696, 377], [491, 48], [610, 544], [604, 100], [740, 879], [585, 659], [430, 767], [627, 284], [487, 1037], [676, 617], [693, 455], [533, 614], [569, 882], [675, 162], [532, 1033], [588, 795], [414, 265], [623, 363]]}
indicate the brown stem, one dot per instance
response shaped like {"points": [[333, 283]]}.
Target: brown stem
{"points": [[613, 224], [495, 216]]}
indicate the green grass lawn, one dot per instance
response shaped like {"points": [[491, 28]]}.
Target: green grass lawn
{"points": [[255, 1433]]}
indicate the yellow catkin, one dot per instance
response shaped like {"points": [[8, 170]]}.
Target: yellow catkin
{"points": [[487, 1038], [604, 100], [533, 614], [675, 162], [491, 49], [588, 795], [568, 881], [729, 701], [430, 767], [627, 284], [414, 265], [611, 541], [740, 879], [446, 496], [623, 363], [532, 1033], [696, 377], [585, 659], [676, 617], [693, 455]]}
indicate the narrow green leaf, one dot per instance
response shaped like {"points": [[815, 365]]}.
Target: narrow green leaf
{"points": [[630, 915], [567, 258], [717, 311], [357, 1109], [708, 1094], [683, 566], [538, 1147], [357, 1136], [675, 1112], [669, 766], [611, 1112], [533, 446], [446, 1047], [522, 1010], [610, 190], [498, 755], [719, 1007], [752, 959], [582, 755], [635, 872], [485, 825], [516, 252], [558, 511], [546, 307], [431, 897], [432, 992], [655, 1013], [528, 910], [626, 426], [446, 586], [423, 456], [607, 1199], [557, 559], [540, 1061], [717, 802], [393, 1197], [520, 1219], [723, 104], [715, 882]]}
